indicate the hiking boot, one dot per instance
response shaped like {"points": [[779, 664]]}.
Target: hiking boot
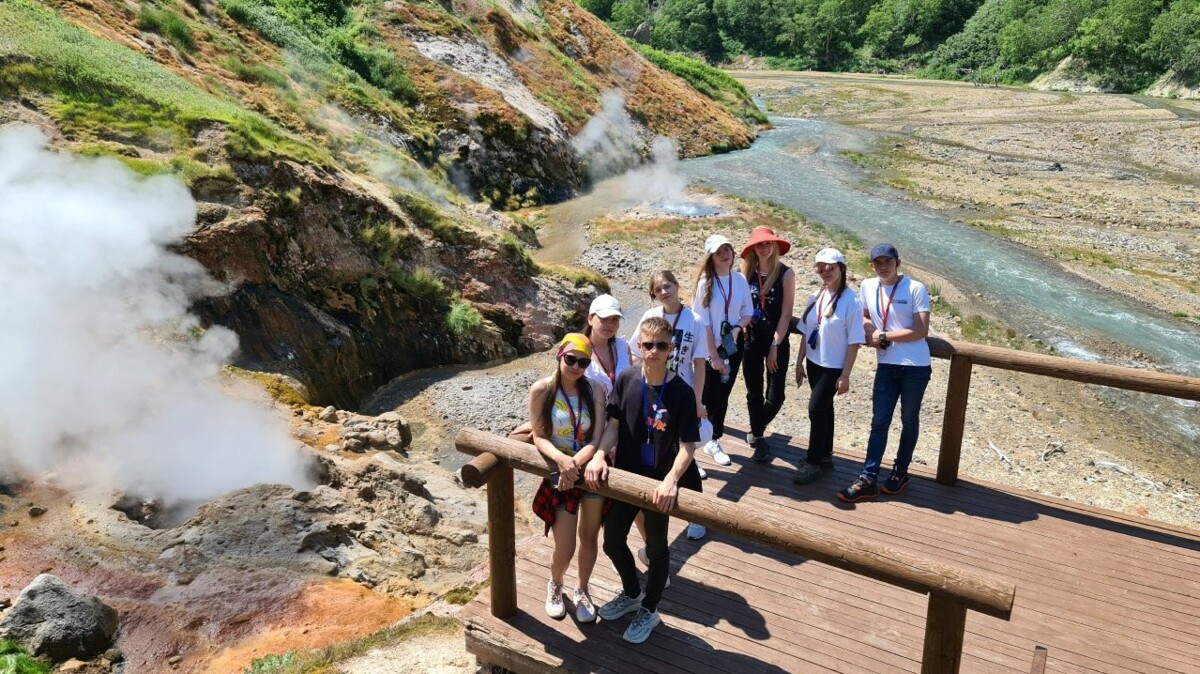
{"points": [[554, 600], [762, 453], [714, 449], [621, 605], [895, 483], [807, 473], [643, 624], [585, 610], [861, 490], [695, 531]]}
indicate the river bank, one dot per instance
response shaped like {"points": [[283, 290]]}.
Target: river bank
{"points": [[1107, 186]]}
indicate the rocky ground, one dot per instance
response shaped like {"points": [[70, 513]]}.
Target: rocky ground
{"points": [[1109, 186]]}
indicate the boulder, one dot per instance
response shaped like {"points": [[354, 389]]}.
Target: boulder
{"points": [[52, 620]]}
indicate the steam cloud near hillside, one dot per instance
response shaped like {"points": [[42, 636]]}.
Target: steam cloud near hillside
{"points": [[105, 377]]}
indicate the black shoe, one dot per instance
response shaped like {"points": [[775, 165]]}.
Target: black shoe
{"points": [[895, 483], [826, 463], [762, 453], [861, 490]]}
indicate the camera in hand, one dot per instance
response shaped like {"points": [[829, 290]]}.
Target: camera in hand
{"points": [[884, 342]]}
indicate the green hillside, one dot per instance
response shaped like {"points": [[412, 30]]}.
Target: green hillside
{"points": [[1122, 45]]}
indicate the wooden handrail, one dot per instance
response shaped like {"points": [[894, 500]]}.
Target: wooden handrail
{"points": [[976, 592], [1116, 376]]}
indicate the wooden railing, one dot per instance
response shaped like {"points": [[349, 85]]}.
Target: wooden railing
{"points": [[964, 356], [952, 592]]}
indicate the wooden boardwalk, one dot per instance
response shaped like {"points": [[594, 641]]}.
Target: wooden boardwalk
{"points": [[1101, 591]]}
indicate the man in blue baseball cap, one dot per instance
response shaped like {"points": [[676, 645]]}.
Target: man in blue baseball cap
{"points": [[896, 321]]}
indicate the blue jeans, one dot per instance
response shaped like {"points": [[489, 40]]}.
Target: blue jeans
{"points": [[895, 383]]}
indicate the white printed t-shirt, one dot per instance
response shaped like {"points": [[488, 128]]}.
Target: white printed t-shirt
{"points": [[836, 333], [689, 338], [910, 299]]}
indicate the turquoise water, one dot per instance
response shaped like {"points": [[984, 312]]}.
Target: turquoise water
{"points": [[798, 165]]}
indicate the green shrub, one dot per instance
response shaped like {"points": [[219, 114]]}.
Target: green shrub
{"points": [[16, 660], [169, 25], [422, 285], [256, 73], [463, 318], [271, 664]]}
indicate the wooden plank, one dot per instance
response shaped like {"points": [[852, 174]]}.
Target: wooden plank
{"points": [[945, 623], [1039, 661], [954, 421], [986, 595], [1128, 378], [502, 551]]}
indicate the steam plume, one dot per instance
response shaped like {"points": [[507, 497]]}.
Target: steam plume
{"points": [[105, 377]]}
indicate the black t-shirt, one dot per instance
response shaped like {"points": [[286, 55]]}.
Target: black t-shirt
{"points": [[675, 420]]}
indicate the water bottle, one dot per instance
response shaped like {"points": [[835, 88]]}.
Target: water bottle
{"points": [[725, 375]]}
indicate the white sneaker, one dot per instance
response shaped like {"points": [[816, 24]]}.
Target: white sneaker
{"points": [[555, 608], [643, 557], [703, 473], [585, 610], [714, 449], [696, 531]]}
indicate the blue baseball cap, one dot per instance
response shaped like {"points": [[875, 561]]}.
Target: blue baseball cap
{"points": [[884, 250]]}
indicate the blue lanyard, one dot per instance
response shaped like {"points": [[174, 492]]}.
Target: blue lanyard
{"points": [[657, 405]]}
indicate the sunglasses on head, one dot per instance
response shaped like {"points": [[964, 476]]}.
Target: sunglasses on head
{"points": [[651, 346], [573, 361]]}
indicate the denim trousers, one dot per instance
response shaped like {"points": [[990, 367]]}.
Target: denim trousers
{"points": [[895, 383]]}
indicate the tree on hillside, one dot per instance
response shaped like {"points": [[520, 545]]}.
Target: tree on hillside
{"points": [[1113, 43], [1036, 42], [897, 27], [1175, 39], [823, 30], [690, 26], [602, 9], [747, 26]]}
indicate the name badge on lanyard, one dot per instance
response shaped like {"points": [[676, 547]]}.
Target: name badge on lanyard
{"points": [[654, 421]]}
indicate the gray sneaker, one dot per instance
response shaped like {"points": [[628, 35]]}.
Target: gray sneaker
{"points": [[643, 624], [807, 473], [621, 605]]}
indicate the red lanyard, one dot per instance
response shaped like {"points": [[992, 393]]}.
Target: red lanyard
{"points": [[612, 350], [576, 422], [728, 296], [884, 311], [762, 292]]}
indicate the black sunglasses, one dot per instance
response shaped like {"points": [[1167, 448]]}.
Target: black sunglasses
{"points": [[572, 361], [650, 346]]}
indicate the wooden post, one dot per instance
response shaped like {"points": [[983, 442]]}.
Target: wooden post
{"points": [[502, 543], [945, 624], [1039, 661], [957, 393]]}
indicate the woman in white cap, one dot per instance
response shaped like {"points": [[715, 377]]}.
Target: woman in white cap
{"points": [[722, 299], [772, 293], [610, 353], [833, 327]]}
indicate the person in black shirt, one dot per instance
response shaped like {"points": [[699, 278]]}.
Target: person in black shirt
{"points": [[652, 429]]}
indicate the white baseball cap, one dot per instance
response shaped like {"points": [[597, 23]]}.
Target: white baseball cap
{"points": [[713, 243], [831, 256], [705, 431], [605, 306]]}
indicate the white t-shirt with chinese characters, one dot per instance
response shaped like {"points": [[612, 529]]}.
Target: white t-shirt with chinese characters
{"points": [[689, 338], [836, 333], [738, 299], [597, 373], [910, 298]]}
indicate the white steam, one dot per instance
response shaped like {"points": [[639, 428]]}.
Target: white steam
{"points": [[609, 143], [105, 377]]}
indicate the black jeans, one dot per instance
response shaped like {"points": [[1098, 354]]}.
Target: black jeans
{"points": [[616, 532], [823, 384], [716, 395], [763, 408]]}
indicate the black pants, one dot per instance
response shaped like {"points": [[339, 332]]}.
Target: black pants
{"points": [[763, 408], [616, 532], [823, 384], [716, 394]]}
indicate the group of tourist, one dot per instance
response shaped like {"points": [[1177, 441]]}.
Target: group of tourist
{"points": [[643, 403]]}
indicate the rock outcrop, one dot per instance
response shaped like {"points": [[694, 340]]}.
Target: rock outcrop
{"points": [[53, 620]]}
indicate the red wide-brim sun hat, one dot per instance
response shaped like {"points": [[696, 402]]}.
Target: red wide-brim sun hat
{"points": [[763, 234]]}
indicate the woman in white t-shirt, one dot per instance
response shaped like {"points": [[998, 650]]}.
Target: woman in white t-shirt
{"points": [[833, 329], [688, 357], [610, 353]]}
